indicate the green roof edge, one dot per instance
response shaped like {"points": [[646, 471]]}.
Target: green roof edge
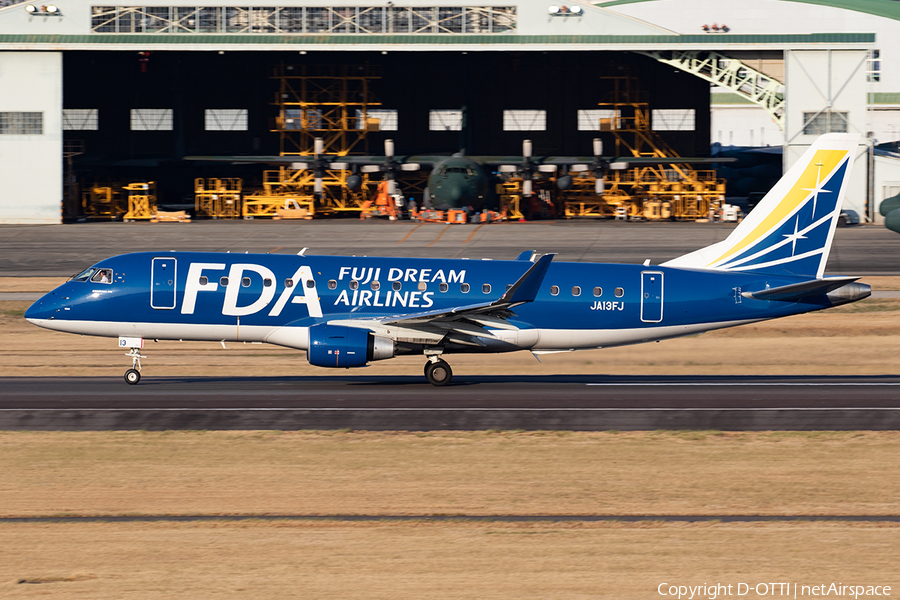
{"points": [[889, 9]]}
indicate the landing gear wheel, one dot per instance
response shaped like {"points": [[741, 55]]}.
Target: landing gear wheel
{"points": [[438, 373], [132, 376]]}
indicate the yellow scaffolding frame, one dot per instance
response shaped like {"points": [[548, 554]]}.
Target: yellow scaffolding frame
{"points": [[141, 201], [218, 198]]}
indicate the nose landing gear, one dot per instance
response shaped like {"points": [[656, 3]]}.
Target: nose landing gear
{"points": [[134, 345], [437, 371]]}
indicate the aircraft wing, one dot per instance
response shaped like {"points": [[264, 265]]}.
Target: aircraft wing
{"points": [[424, 160], [488, 313]]}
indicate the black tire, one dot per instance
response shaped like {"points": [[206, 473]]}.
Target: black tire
{"points": [[132, 376], [438, 373]]}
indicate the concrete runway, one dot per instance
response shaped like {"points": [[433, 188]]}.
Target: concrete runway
{"points": [[61, 250], [586, 403]]}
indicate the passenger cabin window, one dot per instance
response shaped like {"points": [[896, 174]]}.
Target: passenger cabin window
{"points": [[102, 276], [376, 285], [423, 286], [245, 282], [267, 282], [310, 283], [576, 291], [204, 280], [486, 288], [464, 288], [354, 284], [598, 291], [223, 281], [332, 284], [396, 286], [554, 290], [288, 283], [443, 287], [619, 292]]}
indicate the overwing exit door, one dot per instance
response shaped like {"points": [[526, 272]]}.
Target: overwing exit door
{"points": [[651, 296], [163, 276]]}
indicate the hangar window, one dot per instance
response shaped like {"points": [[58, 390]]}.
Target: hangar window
{"points": [[151, 119], [873, 66], [299, 19], [226, 119], [825, 121], [445, 120], [673, 119], [379, 119], [299, 118], [80, 119], [21, 123], [524, 120], [597, 119]]}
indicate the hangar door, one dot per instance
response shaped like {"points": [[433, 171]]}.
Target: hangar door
{"points": [[162, 283], [651, 296]]}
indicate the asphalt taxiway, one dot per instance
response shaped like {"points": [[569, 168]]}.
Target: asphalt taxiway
{"points": [[61, 250], [577, 403]]}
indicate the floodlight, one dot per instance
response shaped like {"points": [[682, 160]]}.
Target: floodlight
{"points": [[52, 9], [31, 8], [553, 9], [576, 9]]}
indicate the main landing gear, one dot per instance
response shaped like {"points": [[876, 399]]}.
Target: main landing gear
{"points": [[133, 375], [437, 371]]}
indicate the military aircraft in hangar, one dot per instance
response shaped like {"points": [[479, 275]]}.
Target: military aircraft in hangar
{"points": [[347, 311], [460, 181]]}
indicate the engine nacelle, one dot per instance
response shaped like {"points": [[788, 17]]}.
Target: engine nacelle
{"points": [[341, 347]]}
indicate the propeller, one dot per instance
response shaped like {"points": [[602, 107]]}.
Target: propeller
{"points": [[599, 166], [390, 167], [527, 168], [319, 165]]}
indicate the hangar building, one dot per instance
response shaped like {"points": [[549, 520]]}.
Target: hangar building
{"points": [[89, 89]]}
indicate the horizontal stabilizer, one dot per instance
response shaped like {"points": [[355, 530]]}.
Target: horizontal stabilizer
{"points": [[804, 289]]}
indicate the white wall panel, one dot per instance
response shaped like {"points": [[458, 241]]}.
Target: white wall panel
{"points": [[31, 166]]}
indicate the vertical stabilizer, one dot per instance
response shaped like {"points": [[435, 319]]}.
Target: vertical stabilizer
{"points": [[790, 230]]}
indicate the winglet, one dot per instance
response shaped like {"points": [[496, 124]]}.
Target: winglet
{"points": [[526, 288]]}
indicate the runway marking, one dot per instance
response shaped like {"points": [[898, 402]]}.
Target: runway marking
{"points": [[276, 249], [471, 235], [457, 518], [409, 233], [443, 231], [406, 409], [742, 384]]}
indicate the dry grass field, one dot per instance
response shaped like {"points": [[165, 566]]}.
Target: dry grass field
{"points": [[489, 473]]}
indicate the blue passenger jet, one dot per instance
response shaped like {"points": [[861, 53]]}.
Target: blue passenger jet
{"points": [[348, 311]]}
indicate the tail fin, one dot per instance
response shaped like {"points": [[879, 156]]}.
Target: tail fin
{"points": [[790, 230]]}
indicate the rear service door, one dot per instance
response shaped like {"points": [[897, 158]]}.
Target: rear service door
{"points": [[651, 296], [162, 283]]}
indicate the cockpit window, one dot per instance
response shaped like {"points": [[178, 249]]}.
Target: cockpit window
{"points": [[102, 276], [84, 275]]}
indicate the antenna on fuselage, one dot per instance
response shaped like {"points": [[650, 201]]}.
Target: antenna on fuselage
{"points": [[302, 252]]}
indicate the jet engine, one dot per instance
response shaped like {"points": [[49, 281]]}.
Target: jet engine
{"points": [[341, 347]]}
